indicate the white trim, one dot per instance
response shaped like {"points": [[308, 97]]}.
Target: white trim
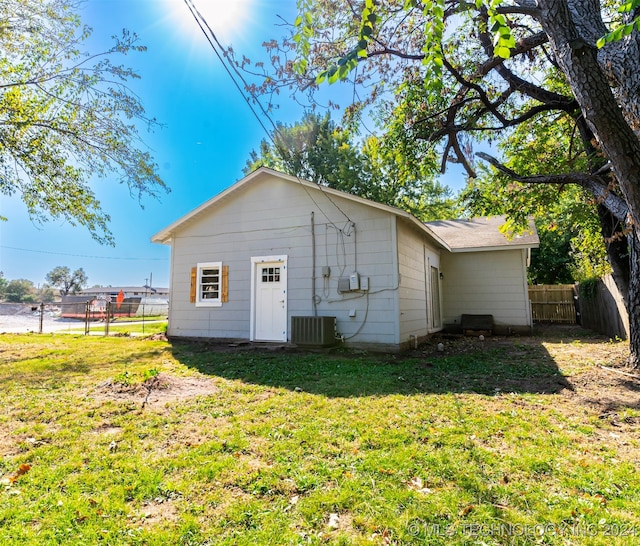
{"points": [[213, 302], [397, 278], [432, 260], [255, 260], [525, 281]]}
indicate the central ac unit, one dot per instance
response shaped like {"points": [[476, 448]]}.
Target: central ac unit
{"points": [[313, 331]]}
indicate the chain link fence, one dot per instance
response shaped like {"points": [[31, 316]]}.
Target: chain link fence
{"points": [[79, 315]]}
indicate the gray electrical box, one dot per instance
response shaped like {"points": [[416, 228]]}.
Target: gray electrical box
{"points": [[326, 271], [343, 284]]}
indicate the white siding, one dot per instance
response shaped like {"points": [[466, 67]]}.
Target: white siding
{"points": [[273, 217], [413, 289], [492, 283]]}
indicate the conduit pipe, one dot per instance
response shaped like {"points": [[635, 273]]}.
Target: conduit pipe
{"points": [[313, 265]]}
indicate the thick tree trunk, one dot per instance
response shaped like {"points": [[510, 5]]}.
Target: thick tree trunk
{"points": [[633, 301], [617, 251], [572, 26]]}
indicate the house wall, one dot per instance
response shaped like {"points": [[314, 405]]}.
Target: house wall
{"points": [[414, 287], [491, 282], [254, 221]]}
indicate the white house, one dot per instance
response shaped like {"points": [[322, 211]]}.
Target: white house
{"points": [[277, 259]]}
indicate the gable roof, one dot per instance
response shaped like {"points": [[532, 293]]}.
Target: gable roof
{"points": [[164, 236], [478, 234], [482, 234]]}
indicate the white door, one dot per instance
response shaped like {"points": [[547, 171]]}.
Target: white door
{"points": [[269, 299]]}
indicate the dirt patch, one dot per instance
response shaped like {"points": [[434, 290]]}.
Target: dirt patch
{"points": [[159, 389], [108, 430], [606, 391], [156, 512], [592, 371], [597, 374]]}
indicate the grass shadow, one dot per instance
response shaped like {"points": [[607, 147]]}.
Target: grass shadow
{"points": [[471, 366]]}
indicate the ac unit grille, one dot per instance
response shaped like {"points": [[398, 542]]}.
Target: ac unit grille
{"points": [[313, 331]]}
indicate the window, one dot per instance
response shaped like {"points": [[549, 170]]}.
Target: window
{"points": [[209, 284], [270, 274]]}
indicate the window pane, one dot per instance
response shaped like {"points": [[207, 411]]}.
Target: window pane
{"points": [[270, 274], [210, 283]]}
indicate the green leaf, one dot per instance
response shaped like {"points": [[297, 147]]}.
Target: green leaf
{"points": [[502, 52], [617, 34], [627, 7]]}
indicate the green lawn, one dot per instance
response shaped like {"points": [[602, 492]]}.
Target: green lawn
{"points": [[125, 327], [136, 441]]}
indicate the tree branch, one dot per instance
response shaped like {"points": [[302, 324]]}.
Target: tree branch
{"points": [[526, 7], [529, 9], [593, 183], [523, 46]]}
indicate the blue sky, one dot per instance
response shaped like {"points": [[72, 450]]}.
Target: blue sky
{"points": [[208, 132]]}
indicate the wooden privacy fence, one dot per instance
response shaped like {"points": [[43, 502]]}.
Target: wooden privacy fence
{"points": [[553, 303], [602, 308]]}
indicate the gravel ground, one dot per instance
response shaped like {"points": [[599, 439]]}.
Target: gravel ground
{"points": [[21, 324]]}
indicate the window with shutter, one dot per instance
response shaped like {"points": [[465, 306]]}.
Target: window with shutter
{"points": [[210, 288]]}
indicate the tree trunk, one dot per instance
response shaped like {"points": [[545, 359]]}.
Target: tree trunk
{"points": [[617, 251], [571, 26], [633, 300]]}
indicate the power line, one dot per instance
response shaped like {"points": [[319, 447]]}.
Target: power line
{"points": [[200, 20], [83, 255], [220, 52]]}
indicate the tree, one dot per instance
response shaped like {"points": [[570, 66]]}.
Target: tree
{"points": [[67, 115], [571, 245], [317, 150], [20, 291], [66, 282], [313, 149], [45, 294], [455, 71]]}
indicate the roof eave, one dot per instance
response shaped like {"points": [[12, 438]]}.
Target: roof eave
{"points": [[460, 250]]}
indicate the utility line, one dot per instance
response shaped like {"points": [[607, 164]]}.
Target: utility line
{"points": [[200, 20], [82, 255], [219, 50]]}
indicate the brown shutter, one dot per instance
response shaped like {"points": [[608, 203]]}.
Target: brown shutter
{"points": [[194, 283], [225, 284]]}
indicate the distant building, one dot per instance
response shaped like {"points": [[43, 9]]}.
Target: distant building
{"points": [[128, 291], [127, 301]]}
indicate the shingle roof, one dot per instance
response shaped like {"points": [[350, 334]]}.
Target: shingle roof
{"points": [[484, 233]]}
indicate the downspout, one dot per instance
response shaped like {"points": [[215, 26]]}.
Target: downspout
{"points": [[313, 265]]}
